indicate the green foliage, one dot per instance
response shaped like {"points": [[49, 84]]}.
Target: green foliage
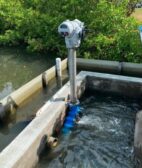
{"points": [[117, 37], [114, 35]]}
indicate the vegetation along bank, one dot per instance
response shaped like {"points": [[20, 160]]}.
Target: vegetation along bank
{"points": [[113, 32]]}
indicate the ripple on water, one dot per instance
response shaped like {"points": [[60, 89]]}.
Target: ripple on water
{"points": [[103, 138]]}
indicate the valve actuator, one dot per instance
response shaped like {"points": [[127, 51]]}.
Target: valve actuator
{"points": [[73, 32]]}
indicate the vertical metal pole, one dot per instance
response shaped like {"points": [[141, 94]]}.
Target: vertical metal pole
{"points": [[59, 72], [58, 67], [72, 74]]}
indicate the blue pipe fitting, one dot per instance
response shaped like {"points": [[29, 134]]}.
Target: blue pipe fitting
{"points": [[71, 117]]}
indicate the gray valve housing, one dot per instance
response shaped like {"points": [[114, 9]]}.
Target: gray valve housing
{"points": [[72, 31]]}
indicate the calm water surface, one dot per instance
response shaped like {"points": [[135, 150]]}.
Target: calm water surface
{"points": [[18, 67], [103, 138]]}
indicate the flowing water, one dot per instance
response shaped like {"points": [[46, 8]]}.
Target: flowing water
{"points": [[16, 68], [103, 138]]}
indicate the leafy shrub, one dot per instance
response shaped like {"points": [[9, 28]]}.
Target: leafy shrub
{"points": [[113, 34]]}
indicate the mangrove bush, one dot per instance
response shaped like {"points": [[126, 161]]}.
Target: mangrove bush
{"points": [[112, 34]]}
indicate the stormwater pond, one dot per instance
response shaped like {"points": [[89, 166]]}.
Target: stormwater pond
{"points": [[103, 138]]}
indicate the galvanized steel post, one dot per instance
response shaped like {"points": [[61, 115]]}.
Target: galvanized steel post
{"points": [[72, 74]]}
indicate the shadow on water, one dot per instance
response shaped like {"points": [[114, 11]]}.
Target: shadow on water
{"points": [[103, 138]]}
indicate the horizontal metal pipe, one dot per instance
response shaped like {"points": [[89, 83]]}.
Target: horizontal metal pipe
{"points": [[115, 67], [132, 69]]}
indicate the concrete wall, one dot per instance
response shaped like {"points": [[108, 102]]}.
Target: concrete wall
{"points": [[25, 149], [121, 85]]}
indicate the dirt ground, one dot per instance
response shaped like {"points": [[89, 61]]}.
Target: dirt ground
{"points": [[138, 14]]}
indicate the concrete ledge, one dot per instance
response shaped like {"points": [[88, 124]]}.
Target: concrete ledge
{"points": [[25, 149]]}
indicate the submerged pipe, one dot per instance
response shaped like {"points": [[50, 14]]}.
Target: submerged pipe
{"points": [[115, 67]]}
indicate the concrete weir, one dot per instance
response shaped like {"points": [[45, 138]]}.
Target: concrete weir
{"points": [[25, 149]]}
